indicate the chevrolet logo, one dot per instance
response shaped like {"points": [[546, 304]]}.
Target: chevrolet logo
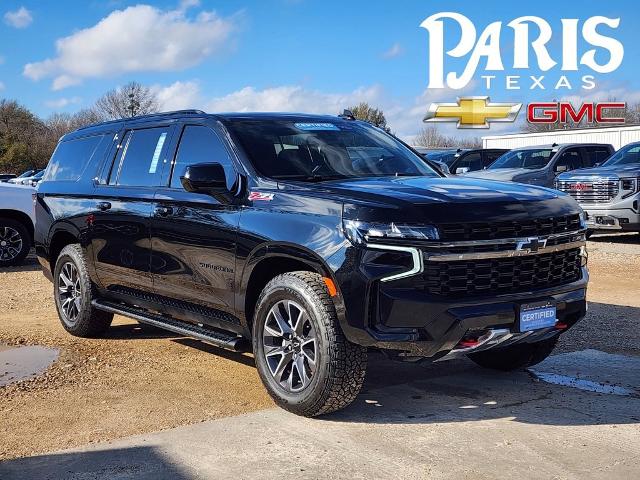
{"points": [[532, 244], [473, 112]]}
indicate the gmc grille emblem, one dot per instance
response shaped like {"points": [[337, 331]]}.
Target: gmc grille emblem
{"points": [[532, 244], [580, 187]]}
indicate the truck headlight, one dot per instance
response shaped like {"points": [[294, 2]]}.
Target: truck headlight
{"points": [[629, 186], [364, 232]]}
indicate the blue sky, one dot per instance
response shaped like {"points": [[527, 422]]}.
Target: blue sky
{"points": [[301, 55]]}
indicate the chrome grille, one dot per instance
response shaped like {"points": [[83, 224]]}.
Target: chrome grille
{"points": [[590, 191]]}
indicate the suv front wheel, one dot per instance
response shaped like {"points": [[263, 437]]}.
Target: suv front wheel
{"points": [[305, 362], [74, 292]]}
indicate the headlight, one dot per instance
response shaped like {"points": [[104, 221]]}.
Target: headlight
{"points": [[364, 232], [629, 185]]}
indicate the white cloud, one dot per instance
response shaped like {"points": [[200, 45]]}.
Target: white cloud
{"points": [[20, 18], [403, 116], [619, 94], [2, 86], [62, 102], [136, 39], [395, 51], [292, 98], [178, 96]]}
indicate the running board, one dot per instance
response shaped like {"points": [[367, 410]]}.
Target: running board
{"points": [[228, 341]]}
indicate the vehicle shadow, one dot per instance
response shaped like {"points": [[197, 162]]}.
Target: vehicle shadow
{"points": [[460, 391], [30, 264], [137, 331], [135, 462], [243, 358], [626, 238]]}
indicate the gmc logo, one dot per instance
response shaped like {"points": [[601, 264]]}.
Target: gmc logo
{"points": [[580, 187], [563, 112]]}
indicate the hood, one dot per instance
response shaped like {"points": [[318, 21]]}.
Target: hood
{"points": [[502, 174], [440, 200], [619, 171]]}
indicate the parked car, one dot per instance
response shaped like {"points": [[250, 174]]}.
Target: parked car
{"points": [[610, 193], [5, 177], [461, 160], [425, 153], [33, 180], [22, 176], [539, 165], [16, 223], [307, 239]]}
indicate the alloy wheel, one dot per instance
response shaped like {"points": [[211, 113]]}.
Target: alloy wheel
{"points": [[69, 292], [10, 243], [290, 346]]}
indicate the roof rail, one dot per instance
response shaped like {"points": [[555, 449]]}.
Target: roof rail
{"points": [[149, 115]]}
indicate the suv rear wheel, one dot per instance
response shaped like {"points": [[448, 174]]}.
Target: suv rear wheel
{"points": [[74, 292], [15, 242], [515, 357], [305, 362]]}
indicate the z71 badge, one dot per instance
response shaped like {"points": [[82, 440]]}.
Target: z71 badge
{"points": [[259, 196]]}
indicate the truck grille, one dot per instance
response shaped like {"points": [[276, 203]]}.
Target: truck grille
{"points": [[601, 191], [516, 229], [502, 275]]}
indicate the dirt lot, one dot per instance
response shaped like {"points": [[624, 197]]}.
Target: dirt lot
{"points": [[140, 380]]}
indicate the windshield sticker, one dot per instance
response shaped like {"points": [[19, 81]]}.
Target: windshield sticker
{"points": [[315, 126], [156, 153], [259, 196]]}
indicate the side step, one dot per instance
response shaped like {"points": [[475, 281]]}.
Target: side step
{"points": [[228, 341]]}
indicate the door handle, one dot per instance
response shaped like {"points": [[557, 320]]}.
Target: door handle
{"points": [[103, 206], [163, 211]]}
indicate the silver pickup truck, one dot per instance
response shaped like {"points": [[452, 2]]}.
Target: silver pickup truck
{"points": [[610, 193], [16, 223]]}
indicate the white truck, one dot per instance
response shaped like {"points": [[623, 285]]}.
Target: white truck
{"points": [[16, 223]]}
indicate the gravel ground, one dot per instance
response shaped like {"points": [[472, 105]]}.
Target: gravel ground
{"points": [[140, 380]]}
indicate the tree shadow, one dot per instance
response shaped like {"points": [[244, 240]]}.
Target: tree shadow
{"points": [[135, 462]]}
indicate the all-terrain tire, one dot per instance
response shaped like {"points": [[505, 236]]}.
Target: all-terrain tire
{"points": [[341, 365], [17, 234], [515, 357], [89, 322]]}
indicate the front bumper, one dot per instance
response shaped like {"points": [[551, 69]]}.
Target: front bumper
{"points": [[620, 219], [424, 327]]}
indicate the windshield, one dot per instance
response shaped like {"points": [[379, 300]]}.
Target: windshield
{"points": [[624, 156], [308, 151], [443, 157], [531, 158]]}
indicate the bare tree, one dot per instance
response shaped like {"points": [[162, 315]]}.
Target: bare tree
{"points": [[127, 101], [375, 116], [432, 138]]}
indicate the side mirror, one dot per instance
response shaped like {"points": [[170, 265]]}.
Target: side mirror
{"points": [[207, 178], [561, 168], [597, 164], [461, 170]]}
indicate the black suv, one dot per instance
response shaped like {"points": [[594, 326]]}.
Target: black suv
{"points": [[465, 160], [306, 239]]}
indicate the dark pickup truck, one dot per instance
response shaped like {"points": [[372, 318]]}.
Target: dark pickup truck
{"points": [[307, 240]]}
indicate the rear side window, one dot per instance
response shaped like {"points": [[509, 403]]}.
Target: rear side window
{"points": [[200, 144], [139, 160], [71, 157]]}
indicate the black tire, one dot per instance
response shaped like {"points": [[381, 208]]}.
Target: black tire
{"points": [[515, 357], [89, 322], [17, 233], [340, 365]]}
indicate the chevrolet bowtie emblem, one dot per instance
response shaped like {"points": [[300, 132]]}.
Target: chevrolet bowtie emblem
{"points": [[532, 244], [473, 112]]}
